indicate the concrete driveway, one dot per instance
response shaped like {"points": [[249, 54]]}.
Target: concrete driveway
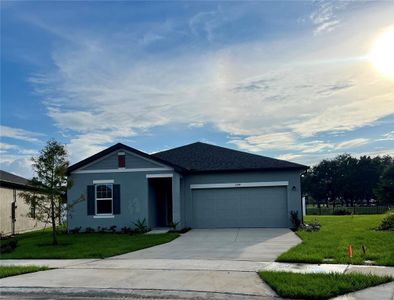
{"points": [[203, 263], [248, 244]]}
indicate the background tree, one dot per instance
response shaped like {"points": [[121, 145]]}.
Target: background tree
{"points": [[385, 187], [50, 169], [348, 180]]}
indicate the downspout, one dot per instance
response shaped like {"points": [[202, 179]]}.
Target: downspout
{"points": [[302, 202], [13, 214]]}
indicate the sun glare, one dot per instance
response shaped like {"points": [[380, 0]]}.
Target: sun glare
{"points": [[382, 53]]}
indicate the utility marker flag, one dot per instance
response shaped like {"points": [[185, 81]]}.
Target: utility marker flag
{"points": [[350, 251]]}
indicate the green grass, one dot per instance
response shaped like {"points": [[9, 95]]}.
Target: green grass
{"points": [[334, 237], [6, 271], [319, 286], [37, 244]]}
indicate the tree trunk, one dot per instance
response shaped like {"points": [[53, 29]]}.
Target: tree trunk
{"points": [[60, 214], [53, 219]]}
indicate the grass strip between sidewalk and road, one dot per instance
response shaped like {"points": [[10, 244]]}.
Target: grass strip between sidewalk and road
{"points": [[38, 244], [6, 271], [331, 243], [319, 286]]}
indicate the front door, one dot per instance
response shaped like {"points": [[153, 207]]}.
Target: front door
{"points": [[160, 199]]}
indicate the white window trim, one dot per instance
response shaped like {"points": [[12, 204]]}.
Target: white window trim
{"points": [[238, 185], [104, 216], [95, 199], [103, 181], [159, 175]]}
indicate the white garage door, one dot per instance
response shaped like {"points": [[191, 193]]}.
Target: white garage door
{"points": [[240, 207]]}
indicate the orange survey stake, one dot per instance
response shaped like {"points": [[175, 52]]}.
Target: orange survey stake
{"points": [[350, 251]]}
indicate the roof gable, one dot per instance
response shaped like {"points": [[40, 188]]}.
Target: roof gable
{"points": [[117, 147], [205, 157], [133, 161]]}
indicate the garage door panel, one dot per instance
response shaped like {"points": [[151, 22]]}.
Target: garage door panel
{"points": [[240, 207]]}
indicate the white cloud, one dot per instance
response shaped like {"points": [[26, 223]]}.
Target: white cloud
{"points": [[352, 143], [289, 156], [18, 164], [290, 142], [325, 17], [389, 136], [280, 142], [20, 134], [5, 147], [16, 159], [207, 23], [277, 93]]}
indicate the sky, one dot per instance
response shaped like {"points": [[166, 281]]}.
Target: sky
{"points": [[292, 80]]}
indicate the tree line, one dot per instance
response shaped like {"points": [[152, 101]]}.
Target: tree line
{"points": [[350, 181]]}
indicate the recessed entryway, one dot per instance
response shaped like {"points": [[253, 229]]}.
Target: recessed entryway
{"points": [[160, 202]]}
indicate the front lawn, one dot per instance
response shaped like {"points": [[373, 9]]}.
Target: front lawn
{"points": [[334, 237], [37, 244], [6, 271], [319, 286]]}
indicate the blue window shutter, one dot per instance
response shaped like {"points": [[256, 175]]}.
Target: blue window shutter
{"points": [[116, 198], [91, 201]]}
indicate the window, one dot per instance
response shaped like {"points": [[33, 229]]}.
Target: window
{"points": [[104, 199]]}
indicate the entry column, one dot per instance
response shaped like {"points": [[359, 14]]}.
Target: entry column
{"points": [[176, 200]]}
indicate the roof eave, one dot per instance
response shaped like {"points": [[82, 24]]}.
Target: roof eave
{"points": [[248, 170], [13, 185]]}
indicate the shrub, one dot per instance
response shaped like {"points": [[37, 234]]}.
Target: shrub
{"points": [[312, 226], [182, 230], [126, 229], [102, 229], [295, 220], [113, 228], [341, 212], [8, 244], [387, 223], [173, 225], [141, 226], [89, 229], [76, 229]]}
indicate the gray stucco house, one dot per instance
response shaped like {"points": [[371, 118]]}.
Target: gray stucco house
{"points": [[198, 185]]}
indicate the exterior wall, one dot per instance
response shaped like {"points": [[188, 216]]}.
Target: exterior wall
{"points": [[134, 192], [177, 203], [23, 223], [293, 177]]}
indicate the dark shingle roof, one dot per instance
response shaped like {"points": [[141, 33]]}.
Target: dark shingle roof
{"points": [[201, 157], [10, 180]]}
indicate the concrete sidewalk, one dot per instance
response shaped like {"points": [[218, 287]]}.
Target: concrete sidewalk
{"points": [[51, 263], [221, 282], [199, 265], [176, 278], [381, 292]]}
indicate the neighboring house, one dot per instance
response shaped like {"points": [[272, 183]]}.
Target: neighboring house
{"points": [[13, 209], [197, 185]]}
